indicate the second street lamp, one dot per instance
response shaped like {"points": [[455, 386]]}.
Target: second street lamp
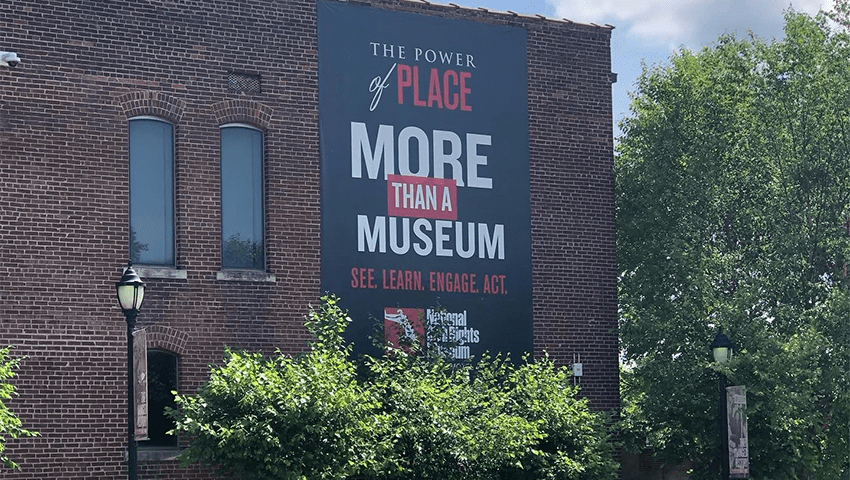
{"points": [[131, 292], [721, 349]]}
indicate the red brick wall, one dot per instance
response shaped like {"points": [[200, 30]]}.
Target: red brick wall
{"points": [[88, 66]]}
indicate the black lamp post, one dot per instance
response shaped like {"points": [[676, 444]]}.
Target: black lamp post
{"points": [[131, 292], [721, 348]]}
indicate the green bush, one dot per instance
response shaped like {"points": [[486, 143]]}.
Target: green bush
{"points": [[403, 416], [442, 425], [284, 418], [573, 442]]}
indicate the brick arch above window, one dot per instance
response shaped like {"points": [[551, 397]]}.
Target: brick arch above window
{"points": [[166, 338], [243, 111], [149, 102]]}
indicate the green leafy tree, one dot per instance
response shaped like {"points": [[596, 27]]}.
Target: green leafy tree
{"points": [[840, 13], [732, 182], [10, 424]]}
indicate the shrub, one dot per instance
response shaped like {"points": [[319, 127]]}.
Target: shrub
{"points": [[407, 415], [284, 418]]}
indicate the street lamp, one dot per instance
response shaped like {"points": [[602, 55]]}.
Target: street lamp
{"points": [[721, 348], [131, 292]]}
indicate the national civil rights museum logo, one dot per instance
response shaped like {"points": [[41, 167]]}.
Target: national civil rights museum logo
{"points": [[451, 331], [425, 182]]}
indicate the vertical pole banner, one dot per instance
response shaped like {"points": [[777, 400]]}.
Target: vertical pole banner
{"points": [[736, 416], [140, 376], [425, 176]]}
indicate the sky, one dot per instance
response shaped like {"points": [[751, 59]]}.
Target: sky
{"points": [[649, 31]]}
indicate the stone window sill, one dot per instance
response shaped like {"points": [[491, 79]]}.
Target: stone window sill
{"points": [[170, 273], [237, 275], [156, 454]]}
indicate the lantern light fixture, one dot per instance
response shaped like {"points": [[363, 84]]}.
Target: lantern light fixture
{"points": [[721, 348], [130, 290]]}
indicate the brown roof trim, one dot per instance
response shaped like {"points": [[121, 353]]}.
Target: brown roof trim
{"points": [[453, 6]]}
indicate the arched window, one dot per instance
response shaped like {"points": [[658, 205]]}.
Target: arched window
{"points": [[242, 234], [162, 380], [151, 191]]}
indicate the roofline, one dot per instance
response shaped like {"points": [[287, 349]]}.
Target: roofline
{"points": [[510, 13]]}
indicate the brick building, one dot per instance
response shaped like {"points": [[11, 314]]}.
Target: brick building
{"points": [[236, 263]]}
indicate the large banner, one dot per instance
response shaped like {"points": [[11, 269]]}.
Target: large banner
{"points": [[425, 184]]}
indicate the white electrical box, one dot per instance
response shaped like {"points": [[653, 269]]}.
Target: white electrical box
{"points": [[577, 369]]}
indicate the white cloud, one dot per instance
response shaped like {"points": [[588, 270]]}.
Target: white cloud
{"points": [[686, 22]]}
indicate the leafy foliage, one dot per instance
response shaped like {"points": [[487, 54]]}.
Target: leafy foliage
{"points": [[733, 182], [284, 418], [10, 424], [406, 415], [441, 427], [840, 13], [570, 445]]}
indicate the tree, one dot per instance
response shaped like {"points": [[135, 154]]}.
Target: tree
{"points": [[840, 13], [10, 424], [733, 181]]}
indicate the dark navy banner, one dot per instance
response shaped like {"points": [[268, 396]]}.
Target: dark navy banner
{"points": [[425, 186]]}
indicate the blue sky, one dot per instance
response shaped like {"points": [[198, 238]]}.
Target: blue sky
{"points": [[648, 31]]}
